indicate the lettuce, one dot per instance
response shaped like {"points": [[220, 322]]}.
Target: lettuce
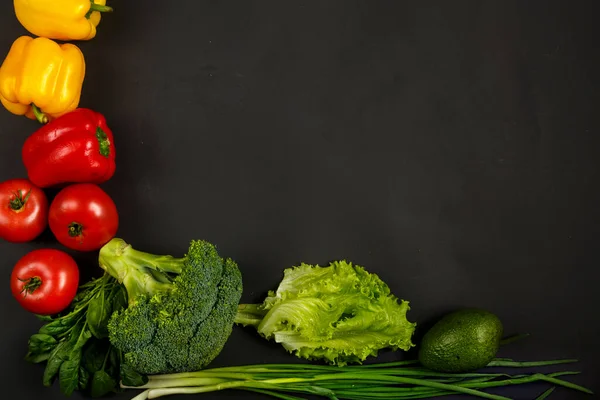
{"points": [[339, 314]]}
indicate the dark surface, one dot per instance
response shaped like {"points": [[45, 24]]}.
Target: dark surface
{"points": [[451, 147]]}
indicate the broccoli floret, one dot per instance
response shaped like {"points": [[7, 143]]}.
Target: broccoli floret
{"points": [[181, 310]]}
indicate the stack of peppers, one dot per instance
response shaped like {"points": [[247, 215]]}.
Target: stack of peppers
{"points": [[42, 80]]}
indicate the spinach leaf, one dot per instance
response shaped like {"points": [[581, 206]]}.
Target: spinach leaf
{"points": [[40, 347], [102, 383], [75, 344], [59, 326], [94, 354], [131, 377], [68, 376], [55, 360], [119, 298], [37, 357], [68, 361], [84, 378], [98, 313], [114, 358], [55, 328], [40, 342], [83, 338]]}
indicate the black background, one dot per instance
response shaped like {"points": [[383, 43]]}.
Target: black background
{"points": [[449, 146]]}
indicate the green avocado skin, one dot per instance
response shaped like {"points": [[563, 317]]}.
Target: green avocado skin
{"points": [[461, 341]]}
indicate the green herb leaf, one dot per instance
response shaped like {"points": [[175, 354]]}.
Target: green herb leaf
{"points": [[59, 326], [40, 344], [114, 359], [98, 313], [40, 340], [38, 357], [84, 378], [40, 348], [94, 354], [68, 377], [131, 377], [102, 384], [83, 338], [119, 299], [55, 360]]}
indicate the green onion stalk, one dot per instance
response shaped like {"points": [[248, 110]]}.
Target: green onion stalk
{"points": [[382, 381]]}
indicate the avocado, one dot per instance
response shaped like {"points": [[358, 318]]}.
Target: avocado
{"points": [[462, 341]]}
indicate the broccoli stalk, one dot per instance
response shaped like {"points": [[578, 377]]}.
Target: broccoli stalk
{"points": [[180, 310], [141, 273]]}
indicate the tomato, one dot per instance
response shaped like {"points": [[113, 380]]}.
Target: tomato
{"points": [[23, 211], [45, 281], [83, 217]]}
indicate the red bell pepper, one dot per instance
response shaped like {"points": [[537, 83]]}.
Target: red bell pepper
{"points": [[77, 147]]}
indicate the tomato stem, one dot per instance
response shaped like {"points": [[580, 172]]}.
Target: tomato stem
{"points": [[19, 201], [75, 229], [31, 285]]}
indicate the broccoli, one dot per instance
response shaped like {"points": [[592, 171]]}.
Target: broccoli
{"points": [[180, 311]]}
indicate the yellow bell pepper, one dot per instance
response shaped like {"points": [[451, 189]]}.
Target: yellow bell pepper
{"points": [[41, 79], [61, 19]]}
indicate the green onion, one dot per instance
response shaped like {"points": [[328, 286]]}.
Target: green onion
{"points": [[546, 394], [383, 381]]}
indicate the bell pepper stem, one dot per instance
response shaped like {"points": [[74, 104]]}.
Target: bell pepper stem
{"points": [[39, 115], [103, 142], [100, 8]]}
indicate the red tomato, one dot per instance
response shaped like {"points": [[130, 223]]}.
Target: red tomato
{"points": [[23, 211], [45, 281], [83, 217]]}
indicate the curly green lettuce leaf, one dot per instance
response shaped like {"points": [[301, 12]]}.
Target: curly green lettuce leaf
{"points": [[340, 313]]}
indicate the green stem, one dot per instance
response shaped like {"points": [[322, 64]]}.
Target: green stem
{"points": [[39, 115], [69, 331], [274, 394], [560, 382], [100, 8], [526, 364], [250, 315], [514, 338], [92, 288], [282, 385], [528, 379], [142, 396], [31, 284], [183, 382], [545, 394], [118, 251], [423, 373], [387, 365], [353, 382], [105, 359], [19, 201], [418, 382], [75, 229], [103, 142]]}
